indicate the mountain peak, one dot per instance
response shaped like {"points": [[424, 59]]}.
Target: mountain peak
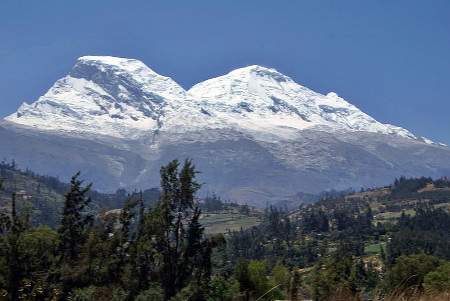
{"points": [[116, 96], [262, 99], [252, 68], [118, 120], [86, 66], [103, 94], [107, 60], [260, 72]]}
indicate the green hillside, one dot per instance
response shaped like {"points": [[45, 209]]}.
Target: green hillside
{"points": [[389, 243], [40, 197], [353, 243]]}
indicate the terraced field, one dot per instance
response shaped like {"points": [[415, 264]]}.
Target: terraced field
{"points": [[223, 222]]}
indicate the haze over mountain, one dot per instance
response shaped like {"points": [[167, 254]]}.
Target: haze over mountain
{"points": [[255, 134]]}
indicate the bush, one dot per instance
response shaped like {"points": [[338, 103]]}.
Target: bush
{"points": [[439, 279], [95, 293], [409, 271], [154, 293]]}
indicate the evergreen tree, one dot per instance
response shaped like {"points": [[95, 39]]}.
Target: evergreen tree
{"points": [[242, 276], [73, 234], [125, 242], [15, 264], [178, 189], [74, 221], [409, 271]]}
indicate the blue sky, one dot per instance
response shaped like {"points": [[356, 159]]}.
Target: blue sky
{"points": [[389, 58]]}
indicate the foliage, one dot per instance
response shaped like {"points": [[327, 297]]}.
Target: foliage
{"points": [[428, 231], [157, 250], [409, 271], [438, 279], [404, 187], [212, 203], [74, 221], [153, 293], [343, 273], [223, 288], [257, 277], [93, 293], [241, 274], [281, 275]]}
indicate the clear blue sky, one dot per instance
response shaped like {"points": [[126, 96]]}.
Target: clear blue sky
{"points": [[389, 58]]}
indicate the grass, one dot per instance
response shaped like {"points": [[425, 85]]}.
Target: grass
{"points": [[411, 212], [395, 214], [374, 248], [222, 222]]}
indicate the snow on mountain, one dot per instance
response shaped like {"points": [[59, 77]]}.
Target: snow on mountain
{"points": [[260, 99], [104, 95], [124, 98], [254, 133]]}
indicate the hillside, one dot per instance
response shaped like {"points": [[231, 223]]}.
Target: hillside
{"points": [[362, 244], [42, 197], [39, 196], [368, 232]]}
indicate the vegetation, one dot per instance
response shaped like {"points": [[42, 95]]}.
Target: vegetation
{"points": [[387, 244]]}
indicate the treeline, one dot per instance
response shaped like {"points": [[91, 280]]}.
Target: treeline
{"points": [[404, 187], [156, 252], [428, 232]]}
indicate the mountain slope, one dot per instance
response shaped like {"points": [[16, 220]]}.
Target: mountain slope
{"points": [[122, 97], [255, 134], [260, 99], [104, 95]]}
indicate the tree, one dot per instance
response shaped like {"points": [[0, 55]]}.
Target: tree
{"points": [[333, 274], [74, 221], [281, 275], [13, 252], [196, 264], [409, 271], [294, 285], [425, 232], [125, 239], [257, 276], [38, 248], [153, 293], [439, 279], [223, 289], [279, 281], [178, 190], [73, 234], [242, 276]]}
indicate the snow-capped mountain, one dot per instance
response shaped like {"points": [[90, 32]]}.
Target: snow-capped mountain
{"points": [[254, 133], [122, 97], [259, 99], [104, 95]]}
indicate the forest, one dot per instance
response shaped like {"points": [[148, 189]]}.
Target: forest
{"points": [[388, 243]]}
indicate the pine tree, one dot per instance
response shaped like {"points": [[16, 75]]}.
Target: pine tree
{"points": [[74, 221], [125, 252], [73, 234], [15, 265], [178, 189]]}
